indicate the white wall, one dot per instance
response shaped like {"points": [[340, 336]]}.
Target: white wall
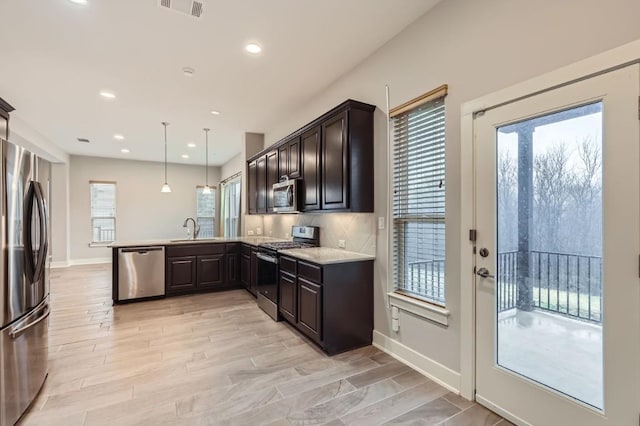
{"points": [[233, 166], [60, 247], [142, 211], [476, 47]]}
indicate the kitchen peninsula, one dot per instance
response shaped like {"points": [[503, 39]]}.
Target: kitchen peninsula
{"points": [[325, 293]]}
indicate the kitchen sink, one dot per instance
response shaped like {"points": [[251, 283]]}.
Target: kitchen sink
{"points": [[199, 240]]}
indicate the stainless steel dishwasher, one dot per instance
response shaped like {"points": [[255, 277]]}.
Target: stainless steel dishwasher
{"points": [[140, 272]]}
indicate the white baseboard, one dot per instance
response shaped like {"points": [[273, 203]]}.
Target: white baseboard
{"points": [[76, 262], [437, 372]]}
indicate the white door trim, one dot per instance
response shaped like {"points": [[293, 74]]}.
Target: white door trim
{"points": [[612, 59]]}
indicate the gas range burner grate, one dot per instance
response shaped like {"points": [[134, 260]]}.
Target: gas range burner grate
{"points": [[285, 245]]}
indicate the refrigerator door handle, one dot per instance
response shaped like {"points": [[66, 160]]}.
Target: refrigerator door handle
{"points": [[27, 231], [18, 331], [44, 232]]}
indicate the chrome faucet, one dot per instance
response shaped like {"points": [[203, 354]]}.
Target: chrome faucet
{"points": [[196, 227]]}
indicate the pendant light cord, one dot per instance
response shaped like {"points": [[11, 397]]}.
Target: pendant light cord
{"points": [[206, 158], [165, 124]]}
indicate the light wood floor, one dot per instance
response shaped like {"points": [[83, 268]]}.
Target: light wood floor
{"points": [[216, 359]]}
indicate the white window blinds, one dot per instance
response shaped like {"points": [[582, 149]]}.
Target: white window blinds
{"points": [[419, 199], [103, 212]]}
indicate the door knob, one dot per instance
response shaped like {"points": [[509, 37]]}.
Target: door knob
{"points": [[484, 273]]}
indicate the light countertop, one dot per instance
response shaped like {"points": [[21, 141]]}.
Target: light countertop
{"points": [[252, 240], [325, 255]]}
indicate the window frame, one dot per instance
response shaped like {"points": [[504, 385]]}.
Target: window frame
{"points": [[92, 218], [425, 307]]}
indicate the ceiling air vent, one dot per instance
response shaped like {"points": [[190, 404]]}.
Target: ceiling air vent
{"points": [[193, 8], [83, 140]]}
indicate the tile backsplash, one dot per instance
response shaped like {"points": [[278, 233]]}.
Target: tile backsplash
{"points": [[358, 230]]}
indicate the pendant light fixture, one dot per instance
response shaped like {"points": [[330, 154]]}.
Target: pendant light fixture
{"points": [[207, 189], [165, 187]]}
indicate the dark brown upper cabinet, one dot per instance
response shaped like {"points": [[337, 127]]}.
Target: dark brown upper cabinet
{"points": [[272, 177], [311, 169], [333, 156], [283, 160], [261, 184], [252, 190], [294, 158]]}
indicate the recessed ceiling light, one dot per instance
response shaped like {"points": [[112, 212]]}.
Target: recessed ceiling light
{"points": [[118, 137], [83, 2], [108, 94], [185, 156], [188, 71], [253, 48], [124, 151], [191, 145], [215, 112]]}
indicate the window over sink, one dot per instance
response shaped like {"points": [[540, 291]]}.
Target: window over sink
{"points": [[206, 211]]}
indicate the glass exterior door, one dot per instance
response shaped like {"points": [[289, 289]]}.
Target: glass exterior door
{"points": [[557, 189]]}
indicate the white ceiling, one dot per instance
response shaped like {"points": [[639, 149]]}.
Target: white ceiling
{"points": [[56, 56]]}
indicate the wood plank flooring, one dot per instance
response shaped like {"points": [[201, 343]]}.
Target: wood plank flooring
{"points": [[216, 359]]}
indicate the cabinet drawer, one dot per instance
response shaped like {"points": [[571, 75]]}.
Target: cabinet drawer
{"points": [[310, 271], [288, 264], [246, 250], [194, 249], [232, 247]]}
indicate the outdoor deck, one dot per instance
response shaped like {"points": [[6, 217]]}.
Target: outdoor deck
{"points": [[560, 352]]}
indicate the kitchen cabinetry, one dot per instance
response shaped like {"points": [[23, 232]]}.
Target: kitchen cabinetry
{"points": [[210, 271], [249, 268], [272, 177], [261, 184], [310, 309], [181, 274], [193, 268], [252, 187], [294, 158], [232, 252], [289, 158], [331, 304], [335, 153], [334, 157], [310, 142]]}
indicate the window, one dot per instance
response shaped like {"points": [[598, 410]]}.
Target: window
{"points": [[419, 197], [230, 210], [206, 212], [103, 212]]}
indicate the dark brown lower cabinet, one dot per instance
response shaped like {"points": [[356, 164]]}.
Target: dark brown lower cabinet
{"points": [[181, 274], [310, 309], [245, 270], [331, 304], [211, 270], [288, 298], [199, 267], [232, 272]]}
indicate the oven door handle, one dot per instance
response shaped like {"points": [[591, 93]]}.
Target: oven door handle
{"points": [[268, 258]]}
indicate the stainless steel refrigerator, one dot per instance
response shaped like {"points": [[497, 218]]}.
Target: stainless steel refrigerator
{"points": [[24, 279]]}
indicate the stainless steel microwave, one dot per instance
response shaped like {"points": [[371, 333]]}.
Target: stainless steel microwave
{"points": [[285, 196]]}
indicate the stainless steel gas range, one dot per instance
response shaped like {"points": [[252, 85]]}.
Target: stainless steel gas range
{"points": [[267, 280]]}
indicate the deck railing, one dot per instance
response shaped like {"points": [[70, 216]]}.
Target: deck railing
{"points": [[426, 278], [566, 283]]}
